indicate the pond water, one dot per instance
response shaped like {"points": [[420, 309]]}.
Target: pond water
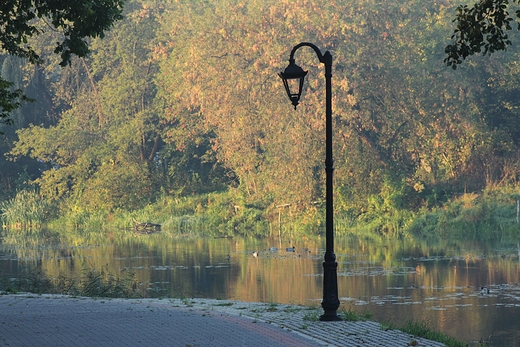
{"points": [[440, 282]]}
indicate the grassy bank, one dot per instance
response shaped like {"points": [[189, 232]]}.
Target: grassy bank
{"points": [[489, 214], [214, 214]]}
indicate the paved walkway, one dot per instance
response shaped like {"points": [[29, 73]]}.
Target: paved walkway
{"points": [[51, 320]]}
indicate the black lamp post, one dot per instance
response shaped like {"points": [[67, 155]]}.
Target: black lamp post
{"points": [[293, 78]]}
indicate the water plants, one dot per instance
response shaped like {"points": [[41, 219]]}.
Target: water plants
{"points": [[93, 283], [26, 210]]}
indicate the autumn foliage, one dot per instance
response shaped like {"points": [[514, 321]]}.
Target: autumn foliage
{"points": [[182, 97]]}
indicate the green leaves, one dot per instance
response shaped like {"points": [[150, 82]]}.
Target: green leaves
{"points": [[480, 29], [75, 19]]}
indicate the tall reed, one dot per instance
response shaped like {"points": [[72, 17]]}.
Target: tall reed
{"points": [[26, 210]]}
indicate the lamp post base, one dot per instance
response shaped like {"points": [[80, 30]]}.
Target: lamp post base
{"points": [[330, 303], [330, 317]]}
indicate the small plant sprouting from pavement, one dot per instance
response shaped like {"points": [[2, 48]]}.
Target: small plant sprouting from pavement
{"points": [[187, 302], [351, 316], [272, 307], [312, 316], [292, 309], [387, 326]]}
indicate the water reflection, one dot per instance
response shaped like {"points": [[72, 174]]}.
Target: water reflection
{"points": [[397, 280]]}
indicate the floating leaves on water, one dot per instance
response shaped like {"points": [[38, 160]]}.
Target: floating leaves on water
{"points": [[378, 271]]}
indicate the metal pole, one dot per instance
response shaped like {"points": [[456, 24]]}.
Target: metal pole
{"points": [[330, 303]]}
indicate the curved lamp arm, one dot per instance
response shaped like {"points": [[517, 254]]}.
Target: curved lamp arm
{"points": [[324, 58], [294, 73]]}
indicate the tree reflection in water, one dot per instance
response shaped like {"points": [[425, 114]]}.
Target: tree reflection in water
{"points": [[396, 280]]}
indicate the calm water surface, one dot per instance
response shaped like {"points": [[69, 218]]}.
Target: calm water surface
{"points": [[396, 280]]}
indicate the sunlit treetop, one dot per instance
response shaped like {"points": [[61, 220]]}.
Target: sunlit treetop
{"points": [[480, 29]]}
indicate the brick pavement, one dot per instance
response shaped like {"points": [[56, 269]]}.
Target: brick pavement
{"points": [[302, 319], [51, 320]]}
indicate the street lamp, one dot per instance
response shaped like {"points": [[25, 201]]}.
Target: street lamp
{"points": [[293, 78]]}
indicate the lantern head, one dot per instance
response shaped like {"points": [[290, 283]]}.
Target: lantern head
{"points": [[293, 78]]}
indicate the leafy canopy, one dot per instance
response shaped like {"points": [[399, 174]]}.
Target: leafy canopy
{"points": [[480, 29], [75, 20]]}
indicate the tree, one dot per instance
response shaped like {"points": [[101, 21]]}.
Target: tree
{"points": [[480, 29], [179, 94], [100, 152], [399, 117], [484, 29], [14, 175], [75, 20]]}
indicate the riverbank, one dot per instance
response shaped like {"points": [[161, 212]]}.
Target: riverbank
{"points": [[488, 214], [56, 320]]}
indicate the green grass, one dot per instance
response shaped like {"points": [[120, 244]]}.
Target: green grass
{"points": [[415, 328], [312, 316], [484, 215], [351, 316], [214, 214], [273, 307], [423, 329]]}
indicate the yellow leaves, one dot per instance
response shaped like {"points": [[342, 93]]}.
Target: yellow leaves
{"points": [[144, 12], [160, 51], [351, 100], [222, 60], [418, 187]]}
